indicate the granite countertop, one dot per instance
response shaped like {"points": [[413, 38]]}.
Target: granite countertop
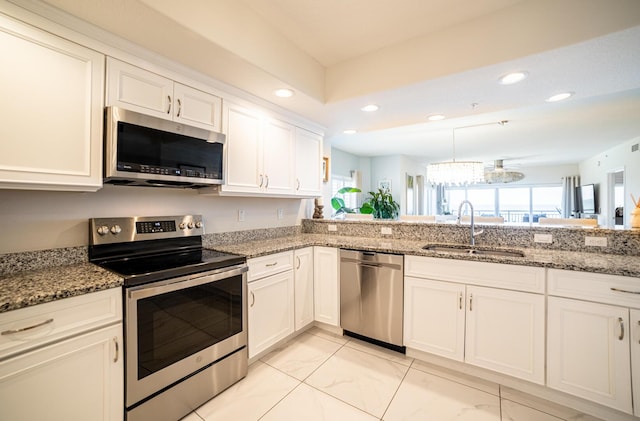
{"points": [[31, 287], [610, 264], [25, 288]]}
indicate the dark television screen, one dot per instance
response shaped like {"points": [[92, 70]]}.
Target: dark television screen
{"points": [[587, 198]]}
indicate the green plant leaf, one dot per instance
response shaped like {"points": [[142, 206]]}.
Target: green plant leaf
{"points": [[366, 208], [349, 190], [337, 203]]}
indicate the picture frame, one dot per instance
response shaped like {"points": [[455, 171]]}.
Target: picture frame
{"points": [[325, 169], [384, 184]]}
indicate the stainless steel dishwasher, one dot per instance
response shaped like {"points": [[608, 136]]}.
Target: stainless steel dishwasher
{"points": [[371, 296]]}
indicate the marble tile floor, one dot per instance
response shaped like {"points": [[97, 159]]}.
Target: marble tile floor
{"points": [[319, 376]]}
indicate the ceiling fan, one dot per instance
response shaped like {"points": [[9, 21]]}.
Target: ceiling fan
{"points": [[500, 175]]}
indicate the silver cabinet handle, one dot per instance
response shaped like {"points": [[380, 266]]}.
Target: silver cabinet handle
{"points": [[460, 301], [298, 260], [624, 290], [24, 329], [271, 264], [115, 342], [621, 323], [266, 186], [253, 299], [297, 184], [470, 302], [261, 180], [169, 107], [179, 107]]}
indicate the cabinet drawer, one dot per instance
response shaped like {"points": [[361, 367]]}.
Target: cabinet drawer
{"points": [[609, 289], [515, 277], [259, 267], [29, 327]]}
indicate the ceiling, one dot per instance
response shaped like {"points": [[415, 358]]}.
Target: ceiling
{"points": [[414, 58]]}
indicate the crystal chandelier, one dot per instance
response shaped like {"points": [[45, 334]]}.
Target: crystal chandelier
{"points": [[455, 172]]}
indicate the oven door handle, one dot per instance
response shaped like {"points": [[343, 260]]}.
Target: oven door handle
{"points": [[170, 285]]}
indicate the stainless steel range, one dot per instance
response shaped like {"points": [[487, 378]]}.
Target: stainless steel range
{"points": [[185, 312]]}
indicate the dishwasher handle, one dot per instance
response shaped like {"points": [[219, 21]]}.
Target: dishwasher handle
{"points": [[370, 264]]}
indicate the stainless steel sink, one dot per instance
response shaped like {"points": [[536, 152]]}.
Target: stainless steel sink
{"points": [[477, 251]]}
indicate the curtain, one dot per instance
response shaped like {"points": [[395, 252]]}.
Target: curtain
{"points": [[569, 204]]}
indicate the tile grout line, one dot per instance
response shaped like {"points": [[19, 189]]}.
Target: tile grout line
{"points": [[397, 389]]}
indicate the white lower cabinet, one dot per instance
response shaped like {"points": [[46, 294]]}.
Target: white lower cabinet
{"points": [[505, 332], [326, 285], [434, 317], [588, 351], [303, 274], [271, 308], [63, 360], [74, 380], [493, 328], [635, 359]]}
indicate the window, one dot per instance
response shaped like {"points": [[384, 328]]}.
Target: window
{"points": [[338, 182], [514, 204]]}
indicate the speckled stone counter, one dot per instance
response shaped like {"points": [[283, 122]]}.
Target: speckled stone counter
{"points": [[27, 288], [611, 264]]}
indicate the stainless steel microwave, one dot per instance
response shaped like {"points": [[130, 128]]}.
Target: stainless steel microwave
{"points": [[141, 150]]}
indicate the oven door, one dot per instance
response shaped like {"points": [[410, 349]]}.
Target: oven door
{"points": [[176, 327]]}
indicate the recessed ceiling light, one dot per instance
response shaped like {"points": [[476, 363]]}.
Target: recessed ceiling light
{"points": [[350, 131], [284, 93], [436, 117], [515, 77], [370, 108], [559, 97]]}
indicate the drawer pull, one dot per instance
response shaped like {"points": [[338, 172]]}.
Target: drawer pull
{"points": [[253, 299], [115, 342], [271, 264], [621, 323], [23, 329], [624, 290], [298, 260]]}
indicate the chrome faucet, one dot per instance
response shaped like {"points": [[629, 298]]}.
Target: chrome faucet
{"points": [[473, 230]]}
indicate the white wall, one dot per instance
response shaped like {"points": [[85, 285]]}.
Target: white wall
{"points": [[395, 168], [38, 220], [596, 169]]}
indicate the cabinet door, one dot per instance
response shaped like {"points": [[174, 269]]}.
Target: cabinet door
{"points": [[303, 262], [270, 311], [326, 297], [505, 332], [197, 108], [278, 156], [51, 107], [635, 359], [139, 90], [588, 351], [308, 163], [243, 149], [76, 379], [434, 316]]}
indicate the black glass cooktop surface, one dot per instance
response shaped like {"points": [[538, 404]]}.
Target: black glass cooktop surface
{"points": [[137, 269]]}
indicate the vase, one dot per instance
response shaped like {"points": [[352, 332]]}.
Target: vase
{"points": [[635, 218]]}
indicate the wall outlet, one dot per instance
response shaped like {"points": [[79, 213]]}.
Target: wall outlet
{"points": [[280, 213], [543, 238], [332, 227], [240, 215], [595, 241], [385, 231]]}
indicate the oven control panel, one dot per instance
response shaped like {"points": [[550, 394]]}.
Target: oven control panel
{"points": [[117, 230]]}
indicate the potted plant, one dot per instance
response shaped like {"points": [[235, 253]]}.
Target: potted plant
{"points": [[338, 204], [382, 205]]}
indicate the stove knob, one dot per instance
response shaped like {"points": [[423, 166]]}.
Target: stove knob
{"points": [[199, 224], [103, 230], [190, 225], [182, 225], [115, 230]]}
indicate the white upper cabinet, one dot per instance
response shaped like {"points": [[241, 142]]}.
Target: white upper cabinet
{"points": [[51, 107], [268, 157], [308, 163], [149, 93]]}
